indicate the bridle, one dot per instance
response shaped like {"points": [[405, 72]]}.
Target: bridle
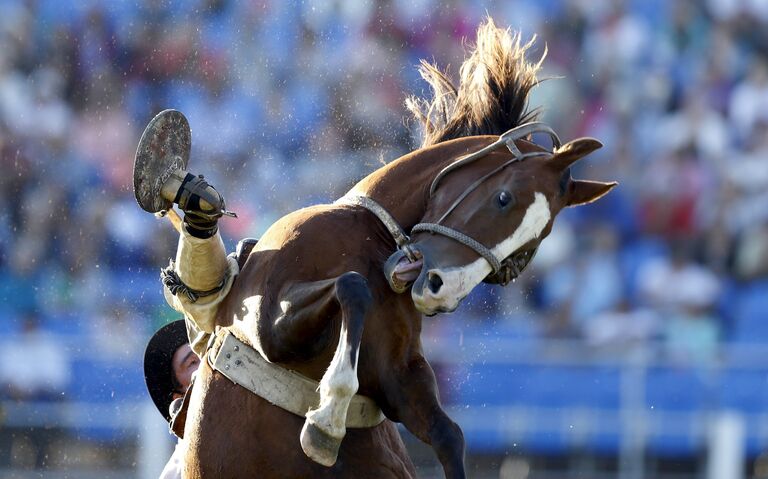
{"points": [[503, 269]]}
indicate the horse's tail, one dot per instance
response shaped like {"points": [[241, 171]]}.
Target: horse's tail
{"points": [[492, 96]]}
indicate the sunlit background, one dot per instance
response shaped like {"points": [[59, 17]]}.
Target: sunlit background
{"points": [[635, 346]]}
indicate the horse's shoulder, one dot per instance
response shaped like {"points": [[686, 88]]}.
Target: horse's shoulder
{"points": [[319, 232]]}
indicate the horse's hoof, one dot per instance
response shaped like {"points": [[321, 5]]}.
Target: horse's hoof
{"points": [[318, 445]]}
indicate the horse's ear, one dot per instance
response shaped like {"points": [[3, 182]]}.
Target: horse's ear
{"points": [[573, 151], [581, 192]]}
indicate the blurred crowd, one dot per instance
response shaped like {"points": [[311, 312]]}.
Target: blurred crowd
{"points": [[291, 102]]}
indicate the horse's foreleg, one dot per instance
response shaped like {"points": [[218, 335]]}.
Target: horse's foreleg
{"points": [[301, 328], [414, 401], [306, 309], [325, 426]]}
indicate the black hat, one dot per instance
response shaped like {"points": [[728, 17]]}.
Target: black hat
{"points": [[158, 364]]}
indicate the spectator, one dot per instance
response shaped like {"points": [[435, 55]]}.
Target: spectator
{"points": [[34, 366], [685, 294], [620, 328], [692, 332], [677, 283]]}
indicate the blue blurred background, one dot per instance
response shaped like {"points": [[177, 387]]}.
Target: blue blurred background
{"points": [[635, 346]]}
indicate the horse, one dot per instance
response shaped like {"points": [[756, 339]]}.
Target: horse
{"points": [[338, 292]]}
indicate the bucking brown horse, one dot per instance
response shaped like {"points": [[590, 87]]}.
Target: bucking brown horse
{"points": [[323, 294]]}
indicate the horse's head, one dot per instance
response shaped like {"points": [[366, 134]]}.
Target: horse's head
{"points": [[493, 212]]}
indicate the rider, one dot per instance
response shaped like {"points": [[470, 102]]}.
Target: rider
{"points": [[169, 365]]}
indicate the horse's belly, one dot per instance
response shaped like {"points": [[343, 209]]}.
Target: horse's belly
{"points": [[233, 433]]}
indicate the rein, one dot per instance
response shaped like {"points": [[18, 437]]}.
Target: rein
{"points": [[456, 235], [401, 239], [503, 268]]}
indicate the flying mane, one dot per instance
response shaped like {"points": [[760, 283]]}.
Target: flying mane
{"points": [[492, 96]]}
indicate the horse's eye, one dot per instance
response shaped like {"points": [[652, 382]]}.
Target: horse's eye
{"points": [[504, 198]]}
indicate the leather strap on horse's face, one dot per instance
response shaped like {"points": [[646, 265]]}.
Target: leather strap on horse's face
{"points": [[503, 269], [401, 239], [467, 241], [507, 139], [481, 180]]}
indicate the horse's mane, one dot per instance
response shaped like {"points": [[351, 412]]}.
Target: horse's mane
{"points": [[492, 96]]}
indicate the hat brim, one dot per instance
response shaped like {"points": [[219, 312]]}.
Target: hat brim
{"points": [[158, 364]]}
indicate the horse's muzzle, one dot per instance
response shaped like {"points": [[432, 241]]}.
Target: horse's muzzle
{"points": [[427, 293]]}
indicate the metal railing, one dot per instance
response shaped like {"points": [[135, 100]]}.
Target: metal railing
{"points": [[628, 429]]}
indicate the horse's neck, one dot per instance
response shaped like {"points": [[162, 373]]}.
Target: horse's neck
{"points": [[402, 187]]}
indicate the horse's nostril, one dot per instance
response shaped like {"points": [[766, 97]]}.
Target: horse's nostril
{"points": [[434, 282]]}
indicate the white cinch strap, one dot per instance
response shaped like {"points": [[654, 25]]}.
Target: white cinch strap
{"points": [[282, 387]]}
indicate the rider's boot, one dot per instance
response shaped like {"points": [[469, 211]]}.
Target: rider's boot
{"points": [[202, 206]]}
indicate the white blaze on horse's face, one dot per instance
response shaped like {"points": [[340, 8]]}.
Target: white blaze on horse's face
{"points": [[458, 281]]}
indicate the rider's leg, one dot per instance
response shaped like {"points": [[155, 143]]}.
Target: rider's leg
{"points": [[202, 275]]}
